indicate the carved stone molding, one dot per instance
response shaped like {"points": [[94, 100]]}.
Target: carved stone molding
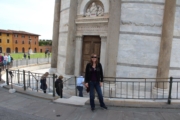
{"points": [[92, 27], [92, 20]]}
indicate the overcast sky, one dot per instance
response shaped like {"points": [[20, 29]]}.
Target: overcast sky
{"points": [[35, 16]]}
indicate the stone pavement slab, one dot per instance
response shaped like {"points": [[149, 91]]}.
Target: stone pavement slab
{"points": [[27, 107], [74, 100]]}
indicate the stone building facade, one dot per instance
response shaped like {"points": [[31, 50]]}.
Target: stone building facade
{"points": [[133, 38]]}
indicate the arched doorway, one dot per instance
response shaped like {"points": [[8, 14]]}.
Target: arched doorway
{"points": [[1, 50], [8, 50], [16, 50], [41, 50], [23, 50], [35, 50]]}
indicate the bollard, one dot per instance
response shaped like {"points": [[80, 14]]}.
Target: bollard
{"points": [[170, 89], [24, 81], [7, 77]]}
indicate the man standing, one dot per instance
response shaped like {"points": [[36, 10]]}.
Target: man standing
{"points": [[80, 83]]}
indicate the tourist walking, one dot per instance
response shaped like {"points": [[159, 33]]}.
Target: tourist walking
{"points": [[94, 80], [59, 86], [79, 84], [43, 85]]}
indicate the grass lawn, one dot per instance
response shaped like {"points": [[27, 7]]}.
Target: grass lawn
{"points": [[21, 55]]}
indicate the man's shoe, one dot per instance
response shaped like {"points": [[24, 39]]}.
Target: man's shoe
{"points": [[104, 107], [92, 109]]}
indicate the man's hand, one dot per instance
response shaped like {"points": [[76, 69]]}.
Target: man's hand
{"points": [[101, 84], [86, 84]]}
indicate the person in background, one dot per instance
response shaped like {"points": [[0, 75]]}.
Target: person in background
{"points": [[43, 85], [28, 55], [24, 55], [94, 79], [79, 85], [5, 61], [1, 61], [48, 54], [59, 86], [9, 61]]}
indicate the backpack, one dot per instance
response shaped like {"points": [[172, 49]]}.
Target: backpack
{"points": [[11, 58]]}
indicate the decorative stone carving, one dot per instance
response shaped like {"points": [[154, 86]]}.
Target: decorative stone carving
{"points": [[94, 10]]}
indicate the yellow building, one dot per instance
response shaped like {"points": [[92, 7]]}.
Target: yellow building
{"points": [[6, 42]]}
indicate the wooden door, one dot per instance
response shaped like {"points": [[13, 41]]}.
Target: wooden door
{"points": [[91, 44]]}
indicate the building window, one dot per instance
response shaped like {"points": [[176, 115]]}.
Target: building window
{"points": [[35, 43], [16, 35], [0, 40], [7, 40], [16, 42], [7, 34], [29, 42], [0, 34], [29, 36], [23, 36], [22, 42]]}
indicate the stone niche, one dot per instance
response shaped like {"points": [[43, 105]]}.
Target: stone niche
{"points": [[94, 9]]}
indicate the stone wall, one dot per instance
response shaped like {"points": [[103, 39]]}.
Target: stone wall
{"points": [[63, 35], [140, 36]]}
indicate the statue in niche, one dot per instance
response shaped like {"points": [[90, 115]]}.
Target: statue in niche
{"points": [[88, 13], [93, 9], [100, 11]]}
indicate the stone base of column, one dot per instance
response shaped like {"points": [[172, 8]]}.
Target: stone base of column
{"points": [[158, 93], [53, 70]]}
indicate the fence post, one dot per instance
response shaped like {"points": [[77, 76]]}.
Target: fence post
{"points": [[7, 77], [53, 85], [170, 89], [29, 78], [0, 74], [75, 85], [18, 76], [24, 81]]}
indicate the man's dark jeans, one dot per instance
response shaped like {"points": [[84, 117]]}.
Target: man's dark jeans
{"points": [[92, 86], [80, 89]]}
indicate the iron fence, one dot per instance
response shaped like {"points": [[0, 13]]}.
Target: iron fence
{"points": [[119, 88]]}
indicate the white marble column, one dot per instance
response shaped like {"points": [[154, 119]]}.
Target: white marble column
{"points": [[103, 51], [55, 36], [78, 55]]}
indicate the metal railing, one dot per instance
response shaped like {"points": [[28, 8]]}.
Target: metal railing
{"points": [[142, 88], [120, 88], [26, 62]]}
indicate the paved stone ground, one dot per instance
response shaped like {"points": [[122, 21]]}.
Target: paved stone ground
{"points": [[22, 107]]}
